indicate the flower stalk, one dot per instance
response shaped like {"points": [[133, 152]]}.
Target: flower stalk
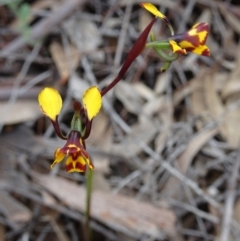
{"points": [[89, 188]]}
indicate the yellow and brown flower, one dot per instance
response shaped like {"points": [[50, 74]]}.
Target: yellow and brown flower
{"points": [[77, 156], [74, 150], [191, 41]]}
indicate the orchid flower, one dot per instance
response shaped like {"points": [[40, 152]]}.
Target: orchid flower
{"points": [[50, 103]]}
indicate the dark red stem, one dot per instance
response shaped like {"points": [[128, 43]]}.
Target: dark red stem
{"points": [[57, 129], [88, 129], [132, 55]]}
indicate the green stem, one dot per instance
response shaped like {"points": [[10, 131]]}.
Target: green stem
{"points": [[158, 49], [169, 58], [88, 203], [160, 44], [165, 66]]}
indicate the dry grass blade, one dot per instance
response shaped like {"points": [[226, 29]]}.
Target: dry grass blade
{"points": [[194, 146], [229, 203]]}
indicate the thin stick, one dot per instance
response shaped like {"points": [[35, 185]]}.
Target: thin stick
{"points": [[230, 197], [122, 37], [17, 83]]}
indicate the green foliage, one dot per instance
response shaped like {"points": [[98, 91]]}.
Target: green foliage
{"points": [[22, 12]]}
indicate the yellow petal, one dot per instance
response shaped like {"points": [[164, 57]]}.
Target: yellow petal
{"points": [[198, 37], [50, 102], [152, 9], [58, 157], [185, 44], [75, 165], [92, 101], [202, 30], [176, 48], [202, 50]]}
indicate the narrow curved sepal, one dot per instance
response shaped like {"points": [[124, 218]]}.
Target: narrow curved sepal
{"points": [[50, 102], [92, 101], [152, 9]]}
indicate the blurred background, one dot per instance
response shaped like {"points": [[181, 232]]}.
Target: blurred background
{"points": [[165, 145]]}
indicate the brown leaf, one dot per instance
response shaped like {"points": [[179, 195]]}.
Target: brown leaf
{"points": [[64, 61], [116, 211], [194, 146], [20, 111]]}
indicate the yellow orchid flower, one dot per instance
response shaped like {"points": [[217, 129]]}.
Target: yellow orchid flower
{"points": [[50, 103], [191, 41]]}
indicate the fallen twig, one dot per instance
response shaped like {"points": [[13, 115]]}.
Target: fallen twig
{"points": [[230, 197]]}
